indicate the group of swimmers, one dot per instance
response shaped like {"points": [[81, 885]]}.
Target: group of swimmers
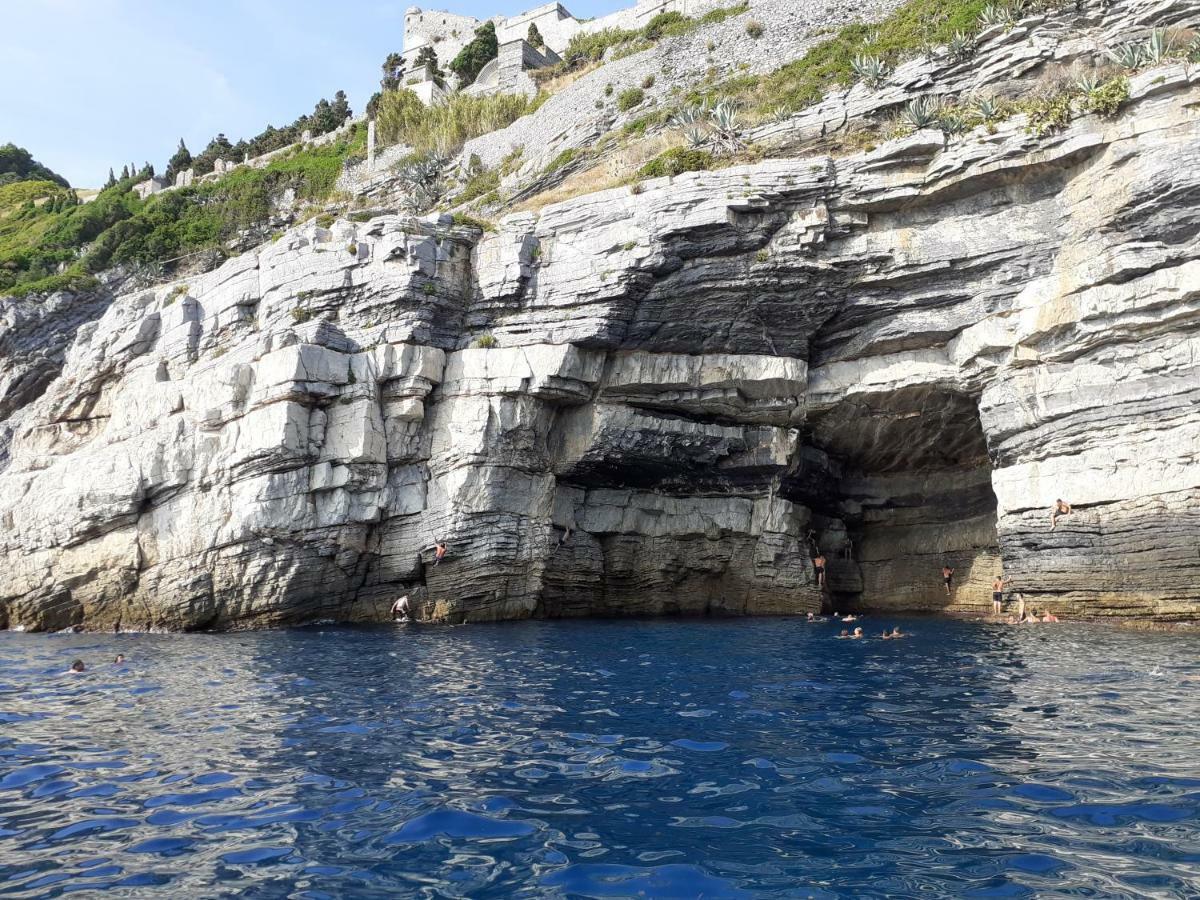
{"points": [[78, 668], [857, 634]]}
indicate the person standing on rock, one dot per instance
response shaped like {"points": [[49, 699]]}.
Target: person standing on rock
{"points": [[998, 584], [819, 568], [947, 575], [1061, 508]]}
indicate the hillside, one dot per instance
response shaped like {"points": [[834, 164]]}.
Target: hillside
{"points": [[729, 293], [17, 164]]}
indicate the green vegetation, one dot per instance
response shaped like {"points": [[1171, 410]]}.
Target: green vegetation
{"points": [[444, 128], [754, 29], [588, 48], [471, 59], [485, 342], [465, 221], [1106, 99], [629, 98], [534, 37], [675, 162], [46, 244], [563, 159], [478, 185], [18, 164]]}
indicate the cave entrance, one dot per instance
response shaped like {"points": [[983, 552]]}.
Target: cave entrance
{"points": [[912, 485]]}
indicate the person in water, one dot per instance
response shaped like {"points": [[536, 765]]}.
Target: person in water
{"points": [[401, 608], [1049, 617], [1060, 508], [120, 660], [998, 584], [947, 575], [439, 552], [857, 634], [850, 618], [844, 634], [819, 568], [896, 633], [887, 635], [76, 667]]}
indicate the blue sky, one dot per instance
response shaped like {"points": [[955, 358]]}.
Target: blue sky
{"points": [[108, 82]]}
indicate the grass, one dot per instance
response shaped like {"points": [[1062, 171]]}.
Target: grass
{"points": [[676, 161], [479, 185], [629, 98], [443, 128], [563, 159]]}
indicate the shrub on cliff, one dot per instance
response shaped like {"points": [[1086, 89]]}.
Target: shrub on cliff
{"points": [[475, 55], [18, 164], [676, 161], [629, 98]]}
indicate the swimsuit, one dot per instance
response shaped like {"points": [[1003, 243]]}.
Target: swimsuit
{"points": [[997, 596], [946, 578]]}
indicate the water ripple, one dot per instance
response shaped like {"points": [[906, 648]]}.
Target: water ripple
{"points": [[602, 759]]}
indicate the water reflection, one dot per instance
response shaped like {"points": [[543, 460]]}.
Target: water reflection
{"points": [[602, 759]]}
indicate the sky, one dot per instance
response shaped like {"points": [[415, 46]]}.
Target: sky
{"points": [[90, 84]]}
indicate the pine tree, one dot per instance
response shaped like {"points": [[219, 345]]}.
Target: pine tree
{"points": [[112, 179], [393, 71], [534, 37], [178, 162], [478, 53], [124, 173], [341, 107]]}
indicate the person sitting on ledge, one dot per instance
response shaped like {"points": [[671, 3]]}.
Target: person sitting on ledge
{"points": [[819, 567], [844, 634], [1061, 508], [947, 574]]}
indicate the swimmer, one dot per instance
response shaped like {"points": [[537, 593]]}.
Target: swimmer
{"points": [[998, 584], [857, 634], [819, 568], [811, 617], [896, 633], [844, 634], [947, 574], [120, 660], [850, 618], [1060, 508], [401, 606], [439, 552], [887, 635], [77, 667], [1049, 617]]}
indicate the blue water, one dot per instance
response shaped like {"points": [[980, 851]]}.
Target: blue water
{"points": [[603, 759]]}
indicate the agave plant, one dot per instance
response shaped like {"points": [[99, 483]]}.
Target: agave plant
{"points": [[1128, 56], [1157, 47], [987, 108], [1085, 84], [779, 114], [921, 113], [690, 115], [951, 121], [995, 14], [695, 137], [423, 181], [726, 126], [961, 45], [871, 69]]}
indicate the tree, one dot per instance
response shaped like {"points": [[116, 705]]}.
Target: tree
{"points": [[534, 37], [218, 148], [17, 164], [179, 162], [112, 179], [125, 173], [393, 72], [478, 53], [427, 58], [341, 107]]}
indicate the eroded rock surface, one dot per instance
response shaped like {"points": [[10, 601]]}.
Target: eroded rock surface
{"points": [[660, 401]]}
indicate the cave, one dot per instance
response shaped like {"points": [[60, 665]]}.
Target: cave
{"points": [[901, 482]]}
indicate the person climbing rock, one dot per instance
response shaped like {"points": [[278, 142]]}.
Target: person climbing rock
{"points": [[998, 584], [402, 608], [947, 575], [563, 538], [1061, 508], [439, 552], [819, 568]]}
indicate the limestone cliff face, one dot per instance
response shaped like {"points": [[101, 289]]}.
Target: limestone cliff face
{"points": [[901, 357]]}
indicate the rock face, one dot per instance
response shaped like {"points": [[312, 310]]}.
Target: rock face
{"points": [[654, 401]]}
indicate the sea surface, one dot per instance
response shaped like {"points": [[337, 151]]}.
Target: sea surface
{"points": [[751, 758]]}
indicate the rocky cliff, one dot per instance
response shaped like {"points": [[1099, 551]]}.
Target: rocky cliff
{"points": [[660, 398]]}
